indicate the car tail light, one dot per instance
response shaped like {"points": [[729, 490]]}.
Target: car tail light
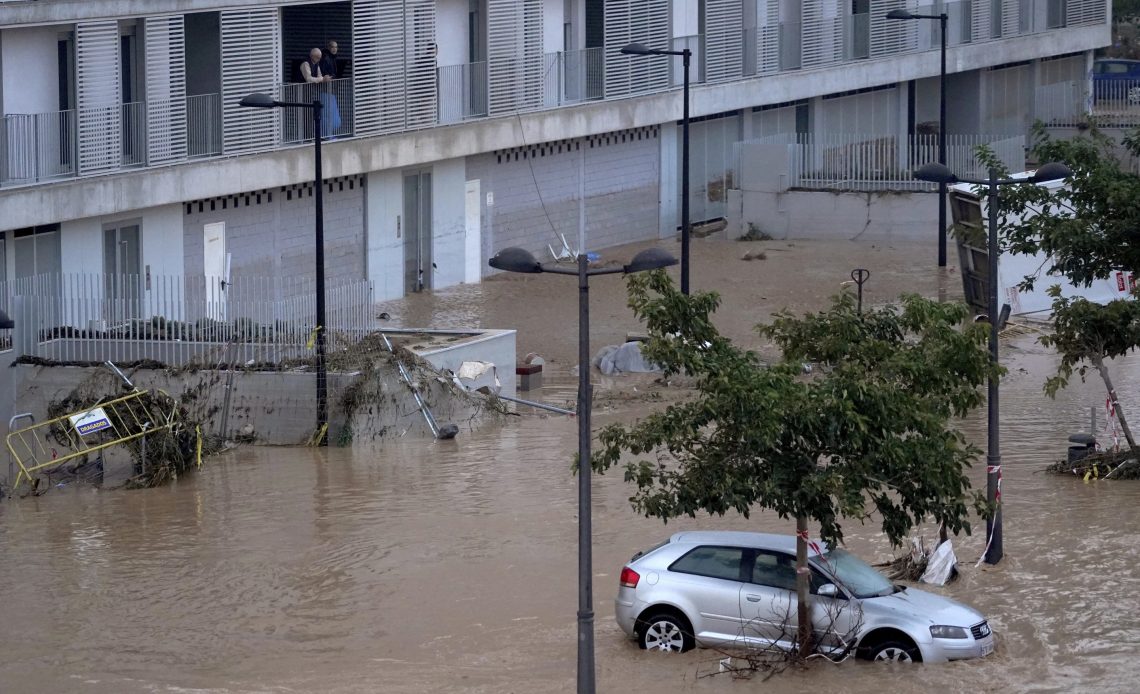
{"points": [[629, 578]]}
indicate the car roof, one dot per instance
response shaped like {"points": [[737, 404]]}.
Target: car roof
{"points": [[1116, 60], [736, 538]]}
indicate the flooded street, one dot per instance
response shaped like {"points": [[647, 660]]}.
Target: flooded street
{"points": [[451, 566]]}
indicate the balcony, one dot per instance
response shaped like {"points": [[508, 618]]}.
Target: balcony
{"points": [[462, 92], [336, 112], [203, 125], [37, 147], [572, 77]]}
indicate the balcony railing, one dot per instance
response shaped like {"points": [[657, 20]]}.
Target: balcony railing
{"points": [[857, 36], [203, 125], [575, 76], [462, 92], [132, 118], [37, 147], [336, 111], [696, 44]]}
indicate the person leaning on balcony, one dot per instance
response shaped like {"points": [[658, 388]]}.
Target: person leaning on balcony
{"points": [[311, 68], [312, 72], [328, 62]]}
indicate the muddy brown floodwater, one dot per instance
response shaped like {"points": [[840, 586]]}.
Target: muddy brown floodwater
{"points": [[451, 566]]}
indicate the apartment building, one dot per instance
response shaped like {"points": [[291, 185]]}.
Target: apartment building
{"points": [[454, 128]]}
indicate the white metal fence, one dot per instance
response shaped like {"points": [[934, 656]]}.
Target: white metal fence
{"points": [[838, 161], [175, 319], [204, 125]]}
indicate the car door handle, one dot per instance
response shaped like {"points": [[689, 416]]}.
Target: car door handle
{"points": [[752, 598]]}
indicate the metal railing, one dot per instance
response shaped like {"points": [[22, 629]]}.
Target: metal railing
{"points": [[175, 319], [203, 125], [696, 44], [839, 161], [790, 45], [462, 92], [857, 36], [336, 114], [37, 147], [572, 77], [132, 120]]}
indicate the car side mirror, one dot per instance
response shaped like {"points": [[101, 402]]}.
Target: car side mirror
{"points": [[828, 590]]}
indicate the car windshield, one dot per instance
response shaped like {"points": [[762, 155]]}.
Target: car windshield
{"points": [[857, 575]]}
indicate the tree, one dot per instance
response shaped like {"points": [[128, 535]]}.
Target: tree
{"points": [[1090, 231], [868, 432]]}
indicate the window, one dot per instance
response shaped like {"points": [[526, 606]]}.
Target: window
{"points": [[774, 570], [714, 562], [1116, 68]]}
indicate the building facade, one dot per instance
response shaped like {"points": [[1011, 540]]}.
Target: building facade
{"points": [[454, 128]]}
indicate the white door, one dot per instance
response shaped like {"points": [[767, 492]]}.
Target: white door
{"points": [[215, 264]]}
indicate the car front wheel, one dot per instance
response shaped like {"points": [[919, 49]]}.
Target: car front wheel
{"points": [[665, 632], [895, 652]]}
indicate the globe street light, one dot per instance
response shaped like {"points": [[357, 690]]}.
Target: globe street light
{"points": [[942, 19], [520, 260], [937, 173], [686, 55], [266, 101]]}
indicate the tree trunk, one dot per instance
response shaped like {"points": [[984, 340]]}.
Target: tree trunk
{"points": [[1099, 364], [803, 577]]}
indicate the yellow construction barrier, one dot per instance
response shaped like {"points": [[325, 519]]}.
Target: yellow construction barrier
{"points": [[56, 441]]}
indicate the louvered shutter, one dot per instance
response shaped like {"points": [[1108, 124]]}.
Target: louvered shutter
{"points": [[1080, 12], [889, 36], [165, 89], [1010, 18], [822, 33], [99, 96], [641, 21], [366, 66], [768, 37], [724, 40], [419, 32], [251, 63], [980, 23], [514, 55], [391, 37]]}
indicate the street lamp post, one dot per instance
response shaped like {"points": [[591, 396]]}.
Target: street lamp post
{"points": [[942, 19], [266, 101], [686, 224], [937, 173], [519, 260]]}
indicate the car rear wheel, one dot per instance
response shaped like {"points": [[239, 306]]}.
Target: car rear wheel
{"points": [[895, 652], [665, 632]]}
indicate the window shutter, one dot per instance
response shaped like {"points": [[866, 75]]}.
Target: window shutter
{"points": [[980, 21], [890, 36], [724, 40], [366, 67], [419, 28], [99, 96], [768, 37], [165, 89], [251, 63], [641, 21], [514, 55]]}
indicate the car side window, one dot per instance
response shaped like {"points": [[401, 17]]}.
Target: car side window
{"points": [[775, 570], [714, 562]]}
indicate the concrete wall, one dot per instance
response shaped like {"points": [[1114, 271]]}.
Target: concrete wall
{"points": [[161, 240], [764, 203], [270, 233], [31, 69], [604, 187]]}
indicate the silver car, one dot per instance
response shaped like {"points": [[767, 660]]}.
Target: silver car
{"points": [[738, 589]]}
